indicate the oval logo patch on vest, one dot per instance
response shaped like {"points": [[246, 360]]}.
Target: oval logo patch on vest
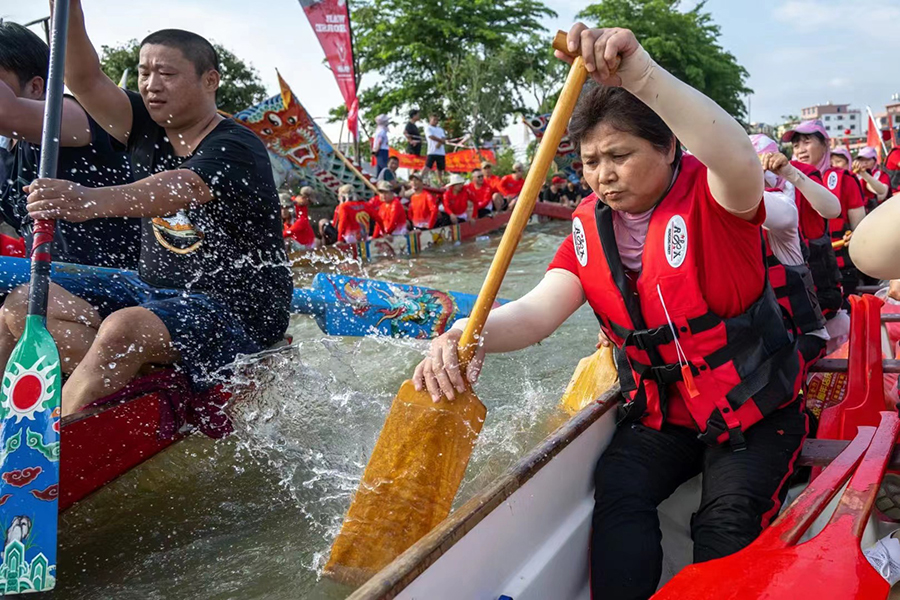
{"points": [[579, 241], [832, 180], [676, 241]]}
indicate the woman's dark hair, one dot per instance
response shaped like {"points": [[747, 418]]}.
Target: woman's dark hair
{"points": [[814, 134], [623, 111], [22, 52]]}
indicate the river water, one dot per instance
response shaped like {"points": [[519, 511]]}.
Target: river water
{"points": [[253, 516]]}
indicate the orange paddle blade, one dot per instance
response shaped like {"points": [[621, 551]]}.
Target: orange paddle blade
{"points": [[594, 375], [831, 565], [406, 490]]}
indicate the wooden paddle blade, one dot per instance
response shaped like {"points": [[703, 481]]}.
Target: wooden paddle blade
{"points": [[29, 451], [410, 482], [592, 377]]}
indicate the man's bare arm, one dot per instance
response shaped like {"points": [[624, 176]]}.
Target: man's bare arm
{"points": [[106, 102], [23, 119]]}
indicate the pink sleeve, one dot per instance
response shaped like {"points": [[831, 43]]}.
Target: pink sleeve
{"points": [[565, 257]]}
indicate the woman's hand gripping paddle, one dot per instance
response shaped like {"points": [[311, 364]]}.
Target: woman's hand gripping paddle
{"points": [[30, 392], [421, 455], [830, 565]]}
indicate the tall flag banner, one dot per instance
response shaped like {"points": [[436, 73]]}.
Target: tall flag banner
{"points": [[330, 20], [873, 136], [296, 143], [566, 158], [890, 118]]}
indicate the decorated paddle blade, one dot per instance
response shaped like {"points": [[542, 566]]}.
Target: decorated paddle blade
{"points": [[29, 450], [353, 306]]}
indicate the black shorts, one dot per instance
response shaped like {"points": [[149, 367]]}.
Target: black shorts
{"points": [[436, 159], [414, 150], [205, 331], [329, 234]]}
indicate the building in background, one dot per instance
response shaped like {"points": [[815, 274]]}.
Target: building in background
{"points": [[844, 125], [763, 128]]}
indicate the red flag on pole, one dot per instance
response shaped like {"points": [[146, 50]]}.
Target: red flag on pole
{"points": [[873, 135], [330, 20]]}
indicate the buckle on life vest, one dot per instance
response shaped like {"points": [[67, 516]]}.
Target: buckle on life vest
{"points": [[663, 375], [650, 338], [736, 438]]}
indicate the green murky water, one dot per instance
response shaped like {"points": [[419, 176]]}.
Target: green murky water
{"points": [[253, 516]]}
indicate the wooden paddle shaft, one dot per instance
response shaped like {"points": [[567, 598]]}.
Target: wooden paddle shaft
{"points": [[556, 128]]}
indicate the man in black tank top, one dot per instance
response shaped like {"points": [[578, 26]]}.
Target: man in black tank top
{"points": [[86, 157], [213, 279]]}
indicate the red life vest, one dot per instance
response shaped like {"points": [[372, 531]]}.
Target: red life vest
{"points": [[739, 369], [819, 253], [834, 181], [869, 196], [796, 293]]}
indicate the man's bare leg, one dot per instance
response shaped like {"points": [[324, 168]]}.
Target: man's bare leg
{"points": [[127, 340], [71, 321]]}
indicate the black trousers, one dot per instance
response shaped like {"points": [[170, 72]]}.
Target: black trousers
{"points": [[742, 492]]}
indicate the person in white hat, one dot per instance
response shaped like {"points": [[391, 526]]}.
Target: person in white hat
{"points": [[876, 183], [380, 146], [455, 202]]}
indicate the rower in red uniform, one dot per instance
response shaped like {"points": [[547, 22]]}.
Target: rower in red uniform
{"points": [[810, 142], [511, 185], [876, 184], [455, 202], [391, 216], [423, 208], [301, 231], [351, 217], [669, 255], [482, 194]]}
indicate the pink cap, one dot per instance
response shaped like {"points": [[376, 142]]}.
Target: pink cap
{"points": [[807, 127], [867, 152], [763, 144], [845, 153]]}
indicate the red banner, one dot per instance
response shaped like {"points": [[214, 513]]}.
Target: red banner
{"points": [[330, 21], [464, 161]]}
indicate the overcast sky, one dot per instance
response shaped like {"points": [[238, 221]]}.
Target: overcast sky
{"points": [[798, 52]]}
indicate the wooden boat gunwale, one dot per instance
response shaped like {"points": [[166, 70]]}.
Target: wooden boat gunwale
{"points": [[394, 578]]}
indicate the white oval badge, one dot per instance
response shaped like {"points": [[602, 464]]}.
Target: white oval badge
{"points": [[676, 241], [832, 180], [578, 239]]}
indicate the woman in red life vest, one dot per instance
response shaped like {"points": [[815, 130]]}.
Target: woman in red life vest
{"points": [[788, 271], [669, 255], [455, 202], [423, 209], [876, 184], [810, 142], [391, 216]]}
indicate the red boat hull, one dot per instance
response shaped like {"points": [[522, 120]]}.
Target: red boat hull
{"points": [[99, 447]]}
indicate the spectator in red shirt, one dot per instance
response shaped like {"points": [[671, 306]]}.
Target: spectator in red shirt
{"points": [[455, 204], [482, 194], [391, 216], [511, 185], [668, 241], [423, 208]]}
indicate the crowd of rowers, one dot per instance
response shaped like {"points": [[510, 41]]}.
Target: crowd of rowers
{"points": [[401, 206]]}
